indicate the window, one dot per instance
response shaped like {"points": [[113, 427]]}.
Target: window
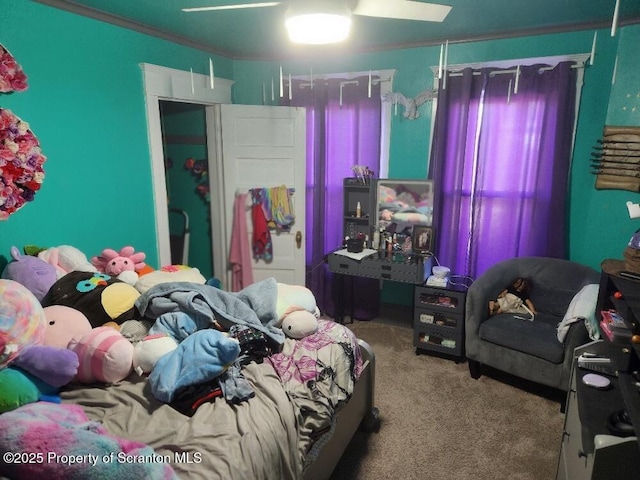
{"points": [[500, 159], [345, 126]]}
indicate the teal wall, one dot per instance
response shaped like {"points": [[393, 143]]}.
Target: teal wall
{"points": [[624, 104], [85, 103], [600, 216], [599, 223]]}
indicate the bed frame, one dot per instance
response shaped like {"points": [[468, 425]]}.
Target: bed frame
{"points": [[358, 412]]}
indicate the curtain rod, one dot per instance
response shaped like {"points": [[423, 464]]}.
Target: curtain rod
{"points": [[374, 81], [382, 76], [580, 59], [346, 75], [513, 70]]}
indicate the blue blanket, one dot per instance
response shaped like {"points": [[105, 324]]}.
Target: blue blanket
{"points": [[201, 357], [254, 306]]}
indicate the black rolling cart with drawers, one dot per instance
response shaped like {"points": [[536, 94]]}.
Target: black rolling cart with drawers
{"points": [[438, 320]]}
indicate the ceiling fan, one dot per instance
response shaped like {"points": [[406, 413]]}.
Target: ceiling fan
{"points": [[329, 21]]}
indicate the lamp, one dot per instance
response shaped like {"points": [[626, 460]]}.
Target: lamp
{"points": [[318, 22]]}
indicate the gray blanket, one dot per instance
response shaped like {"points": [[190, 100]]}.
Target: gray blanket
{"points": [[270, 436], [256, 440], [254, 306]]}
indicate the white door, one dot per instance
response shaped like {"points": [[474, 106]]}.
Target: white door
{"points": [[254, 147]]}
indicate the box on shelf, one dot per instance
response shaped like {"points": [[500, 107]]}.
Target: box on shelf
{"points": [[614, 326], [436, 340]]}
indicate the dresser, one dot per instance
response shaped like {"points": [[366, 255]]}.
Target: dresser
{"points": [[593, 445]]}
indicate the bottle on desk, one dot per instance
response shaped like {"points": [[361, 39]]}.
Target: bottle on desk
{"points": [[407, 245], [382, 240]]}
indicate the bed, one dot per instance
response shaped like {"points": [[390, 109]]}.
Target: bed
{"points": [[302, 405]]}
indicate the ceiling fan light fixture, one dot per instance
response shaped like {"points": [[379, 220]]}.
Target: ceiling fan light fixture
{"points": [[318, 23]]}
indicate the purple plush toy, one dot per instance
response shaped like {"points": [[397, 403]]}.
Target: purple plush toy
{"points": [[53, 365], [32, 272]]}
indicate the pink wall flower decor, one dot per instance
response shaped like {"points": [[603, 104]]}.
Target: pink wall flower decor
{"points": [[21, 164], [198, 169], [12, 78]]}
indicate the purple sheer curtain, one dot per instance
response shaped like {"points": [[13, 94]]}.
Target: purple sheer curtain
{"points": [[500, 161], [343, 130]]}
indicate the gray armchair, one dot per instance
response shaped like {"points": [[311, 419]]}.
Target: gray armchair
{"points": [[527, 349]]}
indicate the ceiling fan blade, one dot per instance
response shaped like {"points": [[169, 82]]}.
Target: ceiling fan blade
{"points": [[232, 7], [402, 9]]}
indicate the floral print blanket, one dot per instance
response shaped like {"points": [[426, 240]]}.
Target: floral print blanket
{"points": [[319, 373]]}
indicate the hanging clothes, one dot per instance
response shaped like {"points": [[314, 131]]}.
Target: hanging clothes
{"points": [[240, 250], [262, 246], [281, 207]]}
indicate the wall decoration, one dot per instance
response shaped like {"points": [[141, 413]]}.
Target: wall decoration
{"points": [[21, 164], [12, 78], [198, 169], [616, 159], [410, 104]]}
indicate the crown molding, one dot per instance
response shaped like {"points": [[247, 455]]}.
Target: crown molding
{"points": [[85, 11]]}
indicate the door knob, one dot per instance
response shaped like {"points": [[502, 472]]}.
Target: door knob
{"points": [[298, 238]]}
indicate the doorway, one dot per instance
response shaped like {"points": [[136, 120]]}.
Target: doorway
{"points": [[268, 139], [187, 184], [162, 84]]}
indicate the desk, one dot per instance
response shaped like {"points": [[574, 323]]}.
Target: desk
{"points": [[393, 266]]}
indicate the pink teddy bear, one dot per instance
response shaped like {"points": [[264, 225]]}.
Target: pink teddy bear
{"points": [[116, 263]]}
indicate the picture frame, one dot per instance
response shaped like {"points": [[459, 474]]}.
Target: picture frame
{"points": [[423, 239]]}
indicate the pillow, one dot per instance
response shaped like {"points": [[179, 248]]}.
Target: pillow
{"points": [[100, 297], [582, 307], [412, 218], [22, 320], [64, 324], [32, 272], [17, 390], [292, 298], [169, 273], [104, 356], [386, 194]]}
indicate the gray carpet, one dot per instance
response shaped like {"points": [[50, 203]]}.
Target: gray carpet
{"points": [[436, 422]]}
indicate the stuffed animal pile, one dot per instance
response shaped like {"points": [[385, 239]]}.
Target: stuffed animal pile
{"points": [[29, 370], [65, 318], [59, 323]]}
